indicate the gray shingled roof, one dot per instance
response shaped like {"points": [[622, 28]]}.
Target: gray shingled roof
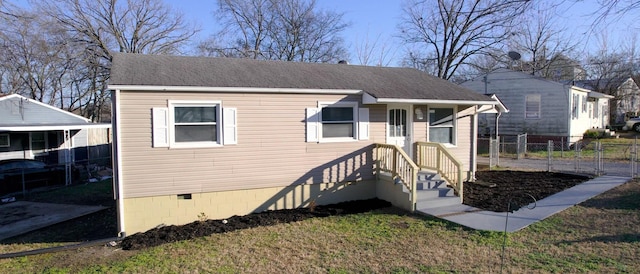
{"points": [[600, 85], [380, 82]]}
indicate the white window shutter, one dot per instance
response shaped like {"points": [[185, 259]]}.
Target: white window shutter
{"points": [[363, 124], [230, 126], [160, 127], [312, 122]]}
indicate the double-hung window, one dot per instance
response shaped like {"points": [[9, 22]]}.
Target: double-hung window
{"points": [[38, 141], [575, 106], [4, 140], [532, 106], [196, 123], [441, 125], [336, 122], [193, 124]]}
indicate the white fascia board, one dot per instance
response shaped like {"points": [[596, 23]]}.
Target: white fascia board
{"points": [[435, 101], [233, 89], [60, 127], [581, 89], [486, 109]]}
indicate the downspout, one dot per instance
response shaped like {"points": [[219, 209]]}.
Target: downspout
{"points": [[117, 164]]}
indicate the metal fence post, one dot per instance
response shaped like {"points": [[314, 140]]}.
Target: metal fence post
{"points": [[634, 158], [576, 155], [599, 160], [549, 155]]}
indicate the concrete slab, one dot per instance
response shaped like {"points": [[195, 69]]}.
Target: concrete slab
{"points": [[21, 217], [495, 221]]}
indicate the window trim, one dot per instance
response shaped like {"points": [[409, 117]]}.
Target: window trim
{"points": [[539, 103], [454, 126], [5, 135], [172, 104], [354, 108]]}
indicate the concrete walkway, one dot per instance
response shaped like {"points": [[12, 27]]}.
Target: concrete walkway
{"points": [[495, 221]]}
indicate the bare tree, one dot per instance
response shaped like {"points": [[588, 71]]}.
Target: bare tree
{"points": [[373, 51], [290, 30], [542, 42], [444, 34], [35, 58], [614, 9], [103, 27]]}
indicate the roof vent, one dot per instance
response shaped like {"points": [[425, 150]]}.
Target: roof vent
{"points": [[343, 62]]}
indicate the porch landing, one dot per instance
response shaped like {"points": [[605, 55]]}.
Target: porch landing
{"points": [[495, 221]]}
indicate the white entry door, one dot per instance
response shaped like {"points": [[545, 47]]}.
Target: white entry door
{"points": [[399, 127]]}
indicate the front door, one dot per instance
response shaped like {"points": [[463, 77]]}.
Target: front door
{"points": [[399, 127]]}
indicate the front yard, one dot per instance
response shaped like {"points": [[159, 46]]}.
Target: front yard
{"points": [[601, 235]]}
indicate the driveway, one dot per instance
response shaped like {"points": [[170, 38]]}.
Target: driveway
{"points": [[20, 217]]}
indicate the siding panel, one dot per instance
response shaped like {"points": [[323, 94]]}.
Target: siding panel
{"points": [[271, 149]]}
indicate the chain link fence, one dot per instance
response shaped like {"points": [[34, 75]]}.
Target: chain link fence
{"points": [[597, 156]]}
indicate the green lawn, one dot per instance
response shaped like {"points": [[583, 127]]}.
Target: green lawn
{"points": [[601, 235]]}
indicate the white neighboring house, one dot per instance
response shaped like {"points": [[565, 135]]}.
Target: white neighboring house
{"points": [[33, 130], [625, 93], [544, 109]]}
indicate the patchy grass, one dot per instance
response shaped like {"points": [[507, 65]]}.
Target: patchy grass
{"points": [[601, 235]]}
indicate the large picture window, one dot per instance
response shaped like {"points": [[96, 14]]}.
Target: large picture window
{"points": [[441, 125], [532, 106]]}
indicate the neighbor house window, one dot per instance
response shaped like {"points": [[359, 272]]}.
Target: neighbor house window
{"points": [[336, 122], [532, 106], [441, 125], [574, 106], [584, 103], [38, 141], [194, 124], [4, 140]]}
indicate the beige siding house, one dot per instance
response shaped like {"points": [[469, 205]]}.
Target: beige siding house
{"points": [[223, 137]]}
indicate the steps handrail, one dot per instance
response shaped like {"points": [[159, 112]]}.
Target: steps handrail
{"points": [[443, 162], [400, 165]]}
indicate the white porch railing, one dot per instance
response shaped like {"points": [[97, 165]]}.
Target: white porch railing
{"points": [[392, 159], [434, 156]]}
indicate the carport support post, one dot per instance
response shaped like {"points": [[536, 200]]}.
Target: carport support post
{"points": [[67, 157]]}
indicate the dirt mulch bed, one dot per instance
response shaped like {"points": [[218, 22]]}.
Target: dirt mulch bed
{"points": [[158, 236], [493, 190]]}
